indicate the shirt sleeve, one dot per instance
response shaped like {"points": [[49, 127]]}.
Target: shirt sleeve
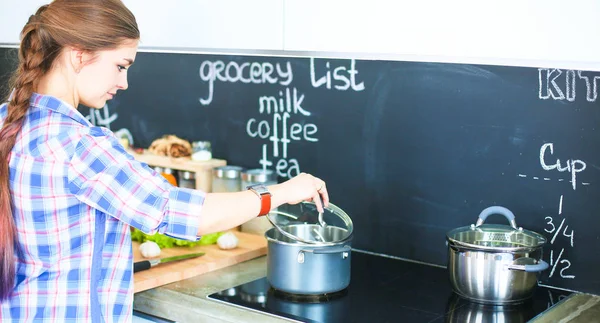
{"points": [[104, 176]]}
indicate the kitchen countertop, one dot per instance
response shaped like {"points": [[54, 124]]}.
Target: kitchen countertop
{"points": [[573, 309], [186, 300]]}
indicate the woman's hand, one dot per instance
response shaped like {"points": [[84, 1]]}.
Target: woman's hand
{"points": [[223, 211], [303, 187]]}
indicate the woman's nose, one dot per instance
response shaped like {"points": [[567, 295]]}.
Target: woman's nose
{"points": [[122, 85]]}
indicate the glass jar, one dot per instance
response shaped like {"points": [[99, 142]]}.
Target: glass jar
{"points": [[187, 179], [227, 179], [167, 173], [201, 151]]}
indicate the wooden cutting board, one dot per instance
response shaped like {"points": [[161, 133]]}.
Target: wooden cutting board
{"points": [[250, 246]]}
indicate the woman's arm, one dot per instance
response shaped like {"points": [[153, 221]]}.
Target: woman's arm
{"points": [[223, 211], [105, 177]]}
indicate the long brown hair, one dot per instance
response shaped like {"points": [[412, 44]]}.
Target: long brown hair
{"points": [[88, 25]]}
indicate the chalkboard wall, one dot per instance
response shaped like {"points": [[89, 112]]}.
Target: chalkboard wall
{"points": [[409, 150]]}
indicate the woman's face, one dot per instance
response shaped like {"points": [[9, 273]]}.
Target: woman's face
{"points": [[99, 80]]}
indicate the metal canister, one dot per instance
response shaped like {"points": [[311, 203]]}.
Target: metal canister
{"points": [[227, 179], [258, 176], [187, 179]]}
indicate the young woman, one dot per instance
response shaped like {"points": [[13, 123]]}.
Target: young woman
{"points": [[69, 191]]}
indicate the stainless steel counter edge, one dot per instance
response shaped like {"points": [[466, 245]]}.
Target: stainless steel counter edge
{"points": [[577, 308], [186, 300]]}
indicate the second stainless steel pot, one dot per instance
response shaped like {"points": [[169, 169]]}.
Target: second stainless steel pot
{"points": [[460, 310], [495, 264]]}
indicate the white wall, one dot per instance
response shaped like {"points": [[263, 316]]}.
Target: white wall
{"points": [[548, 33], [238, 24], [14, 15], [471, 30]]}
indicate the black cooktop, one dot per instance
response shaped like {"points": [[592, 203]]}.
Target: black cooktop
{"points": [[383, 289]]}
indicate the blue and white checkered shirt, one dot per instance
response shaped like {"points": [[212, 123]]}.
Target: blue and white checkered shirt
{"points": [[76, 191]]}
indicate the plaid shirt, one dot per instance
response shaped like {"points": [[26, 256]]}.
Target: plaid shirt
{"points": [[75, 193]]}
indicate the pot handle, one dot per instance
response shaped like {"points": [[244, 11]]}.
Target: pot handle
{"points": [[497, 210], [320, 251], [540, 266]]}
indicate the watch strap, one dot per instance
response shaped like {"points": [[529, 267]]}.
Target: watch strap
{"points": [[265, 204], [265, 198]]}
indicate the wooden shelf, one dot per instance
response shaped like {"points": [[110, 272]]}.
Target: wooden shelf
{"points": [[203, 169]]}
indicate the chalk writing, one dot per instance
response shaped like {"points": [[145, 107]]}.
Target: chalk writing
{"points": [[232, 72], [591, 82], [282, 115], [548, 179], [282, 118], [573, 166], [281, 132], [343, 81], [559, 228], [102, 117], [296, 131], [562, 85], [563, 231], [554, 263], [557, 231], [283, 103]]}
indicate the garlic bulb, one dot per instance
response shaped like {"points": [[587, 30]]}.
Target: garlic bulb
{"points": [[227, 241], [149, 249]]}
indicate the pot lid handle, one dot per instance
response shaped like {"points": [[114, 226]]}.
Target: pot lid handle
{"points": [[497, 210]]}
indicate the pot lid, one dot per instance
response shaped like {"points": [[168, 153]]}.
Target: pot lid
{"points": [[300, 222], [496, 237]]}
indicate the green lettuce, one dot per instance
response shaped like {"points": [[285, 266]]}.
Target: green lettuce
{"points": [[164, 241]]}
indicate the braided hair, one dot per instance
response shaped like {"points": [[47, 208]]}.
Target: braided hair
{"points": [[89, 25]]}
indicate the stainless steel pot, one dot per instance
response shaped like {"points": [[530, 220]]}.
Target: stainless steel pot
{"points": [[308, 269], [495, 264], [304, 256], [334, 309], [460, 310]]}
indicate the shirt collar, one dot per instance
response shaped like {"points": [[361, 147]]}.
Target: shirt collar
{"points": [[58, 106]]}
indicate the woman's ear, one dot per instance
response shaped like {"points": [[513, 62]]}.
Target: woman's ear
{"points": [[75, 59], [79, 58]]}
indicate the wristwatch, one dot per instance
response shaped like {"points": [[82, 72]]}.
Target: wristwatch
{"points": [[265, 197]]}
